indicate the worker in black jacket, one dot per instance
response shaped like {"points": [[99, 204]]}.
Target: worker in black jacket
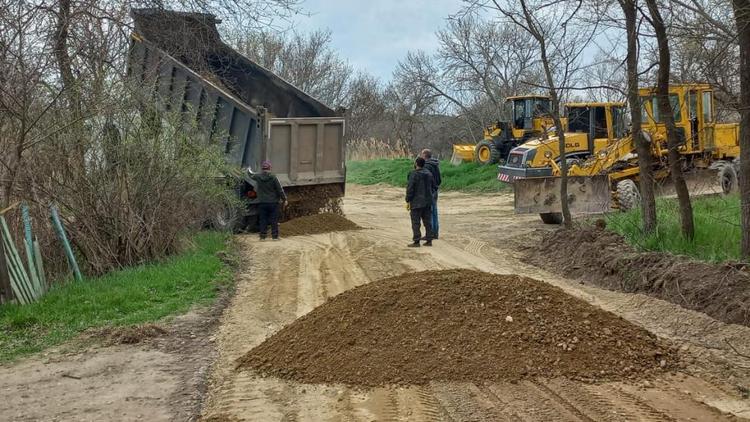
{"points": [[270, 194], [419, 202], [433, 165]]}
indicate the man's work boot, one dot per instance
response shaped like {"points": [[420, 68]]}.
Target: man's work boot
{"points": [[414, 244], [428, 243]]}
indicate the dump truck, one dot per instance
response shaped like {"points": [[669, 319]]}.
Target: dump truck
{"points": [[608, 179], [254, 115], [529, 118]]}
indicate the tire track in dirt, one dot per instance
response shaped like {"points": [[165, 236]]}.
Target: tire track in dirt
{"points": [[284, 283], [636, 405]]}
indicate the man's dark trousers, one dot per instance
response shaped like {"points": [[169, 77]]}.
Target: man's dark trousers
{"points": [[423, 215], [268, 213]]}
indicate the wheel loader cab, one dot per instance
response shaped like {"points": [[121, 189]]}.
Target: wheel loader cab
{"points": [[590, 127], [529, 115]]}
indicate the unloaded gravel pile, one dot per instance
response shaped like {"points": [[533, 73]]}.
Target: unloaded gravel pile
{"points": [[457, 325], [316, 224]]}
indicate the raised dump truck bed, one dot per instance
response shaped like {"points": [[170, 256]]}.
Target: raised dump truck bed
{"points": [[180, 59]]}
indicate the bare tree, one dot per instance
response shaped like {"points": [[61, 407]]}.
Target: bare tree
{"points": [[561, 46], [667, 113], [642, 145], [306, 61], [742, 16]]}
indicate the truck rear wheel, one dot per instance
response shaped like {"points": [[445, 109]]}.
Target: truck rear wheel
{"points": [[551, 217], [628, 195], [486, 153]]}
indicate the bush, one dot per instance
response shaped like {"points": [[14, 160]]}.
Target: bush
{"points": [[717, 228], [127, 183]]}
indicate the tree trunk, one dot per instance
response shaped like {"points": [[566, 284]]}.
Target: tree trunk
{"points": [[742, 16], [642, 146], [62, 56], [665, 110]]}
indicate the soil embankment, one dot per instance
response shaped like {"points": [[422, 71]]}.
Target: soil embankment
{"points": [[604, 259]]}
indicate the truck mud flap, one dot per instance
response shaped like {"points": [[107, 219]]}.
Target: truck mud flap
{"points": [[538, 195]]}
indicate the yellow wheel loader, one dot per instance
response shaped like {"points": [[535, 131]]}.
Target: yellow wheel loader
{"points": [[529, 118], [609, 178]]}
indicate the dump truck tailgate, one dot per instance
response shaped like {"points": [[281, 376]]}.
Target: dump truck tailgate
{"points": [[586, 195], [306, 151]]}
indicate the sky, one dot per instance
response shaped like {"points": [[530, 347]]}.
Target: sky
{"points": [[373, 35]]}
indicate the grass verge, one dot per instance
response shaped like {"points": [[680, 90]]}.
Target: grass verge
{"points": [[128, 297], [466, 177], [717, 229]]}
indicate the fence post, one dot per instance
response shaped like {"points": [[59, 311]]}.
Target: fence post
{"points": [[6, 293], [60, 230]]}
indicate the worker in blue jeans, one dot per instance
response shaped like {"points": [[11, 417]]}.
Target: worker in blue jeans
{"points": [[270, 194], [433, 166]]}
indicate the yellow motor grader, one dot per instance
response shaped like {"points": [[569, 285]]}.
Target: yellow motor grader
{"points": [[529, 119], [608, 179]]}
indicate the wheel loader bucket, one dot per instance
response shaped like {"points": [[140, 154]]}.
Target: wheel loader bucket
{"points": [[462, 153], [540, 195]]}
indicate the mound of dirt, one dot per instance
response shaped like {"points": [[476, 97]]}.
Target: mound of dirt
{"points": [[316, 224], [456, 325], [603, 258], [129, 335]]}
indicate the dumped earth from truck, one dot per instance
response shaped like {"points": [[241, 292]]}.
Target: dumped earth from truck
{"points": [[457, 325], [312, 200], [604, 259], [316, 224]]}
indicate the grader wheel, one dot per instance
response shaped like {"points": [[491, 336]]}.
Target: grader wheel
{"points": [[728, 179], [628, 196]]}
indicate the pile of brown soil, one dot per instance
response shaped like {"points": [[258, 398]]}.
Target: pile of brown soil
{"points": [[129, 335], [316, 224], [605, 259], [457, 325]]}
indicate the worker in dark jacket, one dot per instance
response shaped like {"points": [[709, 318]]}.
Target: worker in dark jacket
{"points": [[433, 166], [270, 194], [419, 202]]}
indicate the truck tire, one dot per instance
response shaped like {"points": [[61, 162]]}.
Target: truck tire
{"points": [[727, 178], [226, 219], [628, 195], [486, 153], [551, 217]]}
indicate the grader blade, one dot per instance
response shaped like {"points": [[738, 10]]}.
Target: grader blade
{"points": [[540, 195]]}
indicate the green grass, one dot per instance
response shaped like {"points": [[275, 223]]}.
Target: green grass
{"points": [[467, 177], [717, 229], [127, 297]]}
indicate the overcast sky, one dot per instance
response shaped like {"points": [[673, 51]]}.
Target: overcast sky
{"points": [[374, 35]]}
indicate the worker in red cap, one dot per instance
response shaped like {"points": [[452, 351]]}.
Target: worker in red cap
{"points": [[270, 194]]}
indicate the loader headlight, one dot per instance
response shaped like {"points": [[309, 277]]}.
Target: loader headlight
{"points": [[547, 154], [602, 154]]}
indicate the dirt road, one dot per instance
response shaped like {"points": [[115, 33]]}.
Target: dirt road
{"points": [[284, 280]]}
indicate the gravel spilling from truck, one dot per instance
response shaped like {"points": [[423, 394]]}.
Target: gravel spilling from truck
{"points": [[457, 325], [316, 224]]}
